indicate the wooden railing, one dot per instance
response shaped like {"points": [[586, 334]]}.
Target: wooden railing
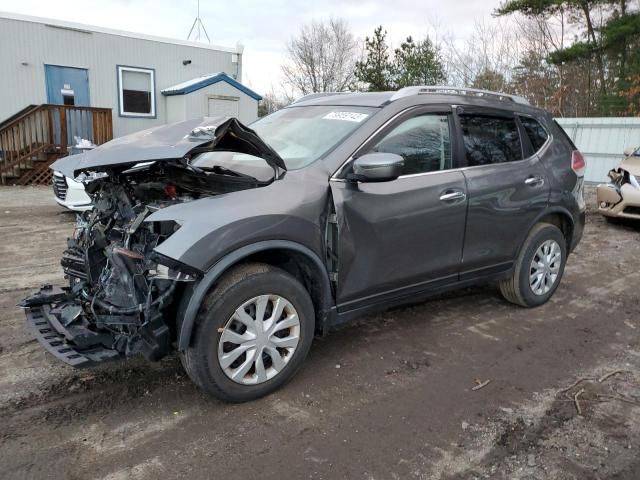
{"points": [[33, 140]]}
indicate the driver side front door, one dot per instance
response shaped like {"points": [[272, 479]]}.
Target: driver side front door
{"points": [[403, 236]]}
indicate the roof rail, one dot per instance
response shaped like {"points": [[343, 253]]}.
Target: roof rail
{"points": [[422, 89], [310, 96]]}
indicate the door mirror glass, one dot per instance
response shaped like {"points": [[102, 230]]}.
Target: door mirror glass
{"points": [[377, 167]]}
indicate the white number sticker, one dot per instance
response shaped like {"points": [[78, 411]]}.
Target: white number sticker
{"points": [[346, 116]]}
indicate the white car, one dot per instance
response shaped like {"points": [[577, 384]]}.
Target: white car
{"points": [[70, 194]]}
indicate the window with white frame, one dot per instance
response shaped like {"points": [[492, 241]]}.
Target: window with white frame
{"points": [[137, 92]]}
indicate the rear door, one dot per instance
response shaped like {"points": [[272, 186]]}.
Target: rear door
{"points": [[506, 185], [404, 235]]}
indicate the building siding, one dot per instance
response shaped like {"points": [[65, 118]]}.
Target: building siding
{"points": [[38, 44], [196, 103], [602, 141]]}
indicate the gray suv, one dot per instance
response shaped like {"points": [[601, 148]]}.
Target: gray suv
{"points": [[236, 246]]}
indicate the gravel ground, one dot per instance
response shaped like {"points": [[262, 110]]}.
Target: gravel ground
{"points": [[388, 397]]}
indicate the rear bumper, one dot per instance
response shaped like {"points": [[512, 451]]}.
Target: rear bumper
{"points": [[623, 202], [58, 340]]}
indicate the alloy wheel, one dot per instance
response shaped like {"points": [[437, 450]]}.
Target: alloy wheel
{"points": [[259, 339], [545, 267]]}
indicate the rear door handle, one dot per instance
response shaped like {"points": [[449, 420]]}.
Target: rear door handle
{"points": [[451, 195], [534, 181]]}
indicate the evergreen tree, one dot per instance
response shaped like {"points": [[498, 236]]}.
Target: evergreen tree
{"points": [[610, 48], [417, 64], [374, 70]]}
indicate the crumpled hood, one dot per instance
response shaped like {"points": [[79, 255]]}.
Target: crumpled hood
{"points": [[632, 165], [171, 142]]}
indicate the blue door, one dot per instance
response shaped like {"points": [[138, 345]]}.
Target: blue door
{"points": [[69, 86]]}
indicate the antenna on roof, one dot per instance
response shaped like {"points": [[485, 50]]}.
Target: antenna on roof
{"points": [[198, 28]]}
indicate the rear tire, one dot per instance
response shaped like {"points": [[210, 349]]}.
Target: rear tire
{"points": [[538, 268], [237, 316]]}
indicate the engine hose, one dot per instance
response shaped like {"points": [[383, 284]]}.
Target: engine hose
{"points": [[114, 309]]}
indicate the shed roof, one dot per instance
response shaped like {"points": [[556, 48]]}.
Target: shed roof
{"points": [[206, 80]]}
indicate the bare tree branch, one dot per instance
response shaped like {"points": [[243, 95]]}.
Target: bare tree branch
{"points": [[321, 58]]}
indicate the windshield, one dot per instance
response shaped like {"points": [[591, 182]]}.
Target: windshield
{"points": [[301, 135]]}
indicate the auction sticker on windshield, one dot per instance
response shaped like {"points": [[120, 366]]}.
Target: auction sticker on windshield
{"points": [[346, 116]]}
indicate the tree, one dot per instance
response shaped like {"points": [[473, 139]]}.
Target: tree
{"points": [[417, 64], [537, 80], [321, 58], [631, 94], [490, 80], [270, 103], [493, 49], [414, 63], [602, 57], [375, 70]]}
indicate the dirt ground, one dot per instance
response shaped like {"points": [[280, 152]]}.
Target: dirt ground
{"points": [[389, 397]]}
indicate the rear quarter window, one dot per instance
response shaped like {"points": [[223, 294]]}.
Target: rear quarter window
{"points": [[537, 134], [564, 135]]}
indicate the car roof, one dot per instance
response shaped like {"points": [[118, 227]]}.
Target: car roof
{"points": [[413, 96], [355, 99]]}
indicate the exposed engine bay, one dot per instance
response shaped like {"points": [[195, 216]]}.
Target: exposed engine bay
{"points": [[121, 295]]}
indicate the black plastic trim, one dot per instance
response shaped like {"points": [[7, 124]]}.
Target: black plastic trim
{"points": [[193, 297], [42, 328]]}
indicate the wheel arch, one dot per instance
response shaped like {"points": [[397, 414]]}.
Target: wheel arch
{"points": [[557, 216], [297, 259]]}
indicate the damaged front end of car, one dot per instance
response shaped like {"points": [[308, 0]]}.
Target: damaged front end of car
{"points": [[122, 295], [620, 198]]}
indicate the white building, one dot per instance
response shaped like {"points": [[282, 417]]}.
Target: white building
{"points": [[144, 80]]}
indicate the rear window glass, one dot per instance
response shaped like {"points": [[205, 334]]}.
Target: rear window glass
{"points": [[489, 140], [536, 132]]}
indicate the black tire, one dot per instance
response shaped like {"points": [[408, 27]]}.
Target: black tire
{"points": [[243, 283], [517, 288]]}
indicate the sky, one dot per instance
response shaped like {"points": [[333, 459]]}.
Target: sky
{"points": [[264, 26]]}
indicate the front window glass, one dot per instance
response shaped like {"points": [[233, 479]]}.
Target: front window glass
{"points": [[489, 140], [422, 141], [301, 135]]}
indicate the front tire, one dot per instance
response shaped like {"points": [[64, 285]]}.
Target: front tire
{"points": [[252, 333], [538, 269]]}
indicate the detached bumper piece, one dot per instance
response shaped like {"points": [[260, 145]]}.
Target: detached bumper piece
{"points": [[74, 344], [55, 342]]}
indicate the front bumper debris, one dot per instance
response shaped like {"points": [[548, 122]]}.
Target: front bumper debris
{"points": [[55, 342], [620, 202], [74, 344]]}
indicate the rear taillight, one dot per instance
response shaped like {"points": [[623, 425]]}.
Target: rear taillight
{"points": [[578, 164]]}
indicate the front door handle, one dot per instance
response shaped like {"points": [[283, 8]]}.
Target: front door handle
{"points": [[451, 195], [534, 181]]}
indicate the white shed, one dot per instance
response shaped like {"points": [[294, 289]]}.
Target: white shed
{"points": [[210, 96]]}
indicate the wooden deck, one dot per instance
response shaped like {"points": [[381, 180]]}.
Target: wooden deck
{"points": [[39, 135]]}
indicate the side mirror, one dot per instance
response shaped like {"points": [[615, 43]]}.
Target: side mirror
{"points": [[629, 151], [377, 167]]}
